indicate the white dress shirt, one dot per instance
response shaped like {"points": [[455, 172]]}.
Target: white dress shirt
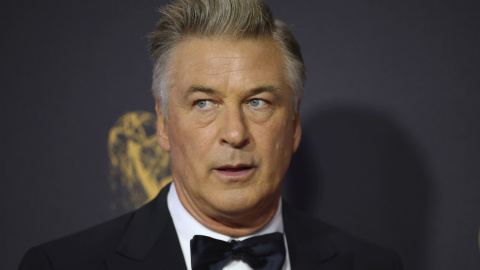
{"points": [[187, 226]]}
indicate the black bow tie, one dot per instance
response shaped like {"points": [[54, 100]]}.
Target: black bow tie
{"points": [[261, 252]]}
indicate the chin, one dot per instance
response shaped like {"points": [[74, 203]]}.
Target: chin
{"points": [[237, 203]]}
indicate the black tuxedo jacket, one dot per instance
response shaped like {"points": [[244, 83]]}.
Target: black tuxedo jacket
{"points": [[146, 239]]}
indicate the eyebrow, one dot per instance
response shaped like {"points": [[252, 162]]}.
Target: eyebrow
{"points": [[268, 88], [255, 91], [196, 88]]}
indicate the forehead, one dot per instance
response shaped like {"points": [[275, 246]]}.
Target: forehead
{"points": [[228, 63]]}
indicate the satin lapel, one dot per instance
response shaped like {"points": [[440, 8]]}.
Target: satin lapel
{"points": [[309, 245], [150, 241]]}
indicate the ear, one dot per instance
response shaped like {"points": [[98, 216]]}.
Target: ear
{"points": [[162, 134], [297, 132], [297, 128]]}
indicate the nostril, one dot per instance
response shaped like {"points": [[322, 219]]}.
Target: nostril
{"points": [[238, 141]]}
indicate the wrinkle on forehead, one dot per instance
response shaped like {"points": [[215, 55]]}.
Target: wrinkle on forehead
{"points": [[223, 63], [228, 51]]}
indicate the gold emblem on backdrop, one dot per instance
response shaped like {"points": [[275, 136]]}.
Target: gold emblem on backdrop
{"points": [[139, 167]]}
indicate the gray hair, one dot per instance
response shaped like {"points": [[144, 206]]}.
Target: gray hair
{"points": [[240, 19]]}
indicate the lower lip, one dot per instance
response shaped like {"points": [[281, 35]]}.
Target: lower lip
{"points": [[235, 175]]}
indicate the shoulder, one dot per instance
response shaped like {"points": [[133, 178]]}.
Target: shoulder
{"points": [[129, 236], [79, 250], [324, 243], [365, 252]]}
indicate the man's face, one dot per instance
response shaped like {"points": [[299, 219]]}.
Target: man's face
{"points": [[231, 129]]}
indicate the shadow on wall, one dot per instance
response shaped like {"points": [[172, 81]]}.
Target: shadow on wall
{"points": [[357, 169]]}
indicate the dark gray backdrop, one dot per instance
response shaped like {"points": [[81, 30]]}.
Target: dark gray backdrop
{"points": [[390, 148]]}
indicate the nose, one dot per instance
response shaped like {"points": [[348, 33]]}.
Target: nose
{"points": [[234, 131]]}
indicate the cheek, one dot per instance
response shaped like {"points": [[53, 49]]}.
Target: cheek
{"points": [[279, 134], [189, 145], [275, 143]]}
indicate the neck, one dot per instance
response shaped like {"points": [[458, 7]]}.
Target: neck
{"points": [[231, 223]]}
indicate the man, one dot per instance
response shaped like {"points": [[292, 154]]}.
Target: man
{"points": [[228, 83]]}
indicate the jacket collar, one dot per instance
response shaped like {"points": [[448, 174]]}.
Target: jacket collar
{"points": [[310, 245], [150, 237]]}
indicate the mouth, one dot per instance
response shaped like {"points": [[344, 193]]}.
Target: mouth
{"points": [[235, 172]]}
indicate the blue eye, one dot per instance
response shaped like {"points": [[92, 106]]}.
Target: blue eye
{"points": [[204, 104], [256, 103]]}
